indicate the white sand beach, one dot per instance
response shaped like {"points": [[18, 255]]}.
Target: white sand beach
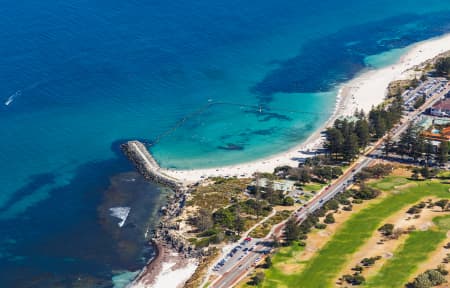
{"points": [[168, 269], [363, 92]]}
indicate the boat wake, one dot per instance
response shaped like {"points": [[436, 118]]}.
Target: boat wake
{"points": [[13, 97], [121, 213]]}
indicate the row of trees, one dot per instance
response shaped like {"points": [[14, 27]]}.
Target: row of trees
{"points": [[412, 143], [442, 67], [346, 138], [316, 173], [294, 232]]}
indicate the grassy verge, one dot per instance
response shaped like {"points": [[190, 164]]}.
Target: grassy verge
{"points": [[310, 187], [397, 271], [323, 268]]}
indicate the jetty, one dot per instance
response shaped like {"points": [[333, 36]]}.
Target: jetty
{"points": [[147, 165]]}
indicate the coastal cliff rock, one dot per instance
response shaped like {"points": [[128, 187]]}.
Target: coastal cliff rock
{"points": [[167, 234]]}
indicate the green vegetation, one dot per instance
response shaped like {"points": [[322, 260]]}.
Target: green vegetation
{"points": [[224, 212], [442, 67], [346, 139], [313, 187], [419, 244], [262, 230], [430, 278], [386, 229], [219, 194], [323, 268], [314, 173], [419, 102], [284, 256]]}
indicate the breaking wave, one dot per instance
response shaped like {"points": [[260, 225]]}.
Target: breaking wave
{"points": [[121, 213]]}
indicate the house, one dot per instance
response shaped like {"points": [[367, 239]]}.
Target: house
{"points": [[437, 134], [278, 185], [441, 108]]}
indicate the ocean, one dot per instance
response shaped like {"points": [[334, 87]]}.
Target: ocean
{"points": [[77, 78]]}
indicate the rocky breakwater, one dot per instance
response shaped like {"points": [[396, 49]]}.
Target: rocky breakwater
{"points": [[170, 243], [147, 165]]}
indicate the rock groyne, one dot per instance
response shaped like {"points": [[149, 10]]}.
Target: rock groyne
{"points": [[147, 165], [167, 236]]}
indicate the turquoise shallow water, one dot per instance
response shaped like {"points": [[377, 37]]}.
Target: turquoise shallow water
{"points": [[83, 77]]}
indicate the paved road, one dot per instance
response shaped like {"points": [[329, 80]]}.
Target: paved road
{"points": [[239, 269]]}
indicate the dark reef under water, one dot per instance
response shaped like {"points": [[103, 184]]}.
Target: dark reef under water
{"points": [[71, 239], [336, 58]]}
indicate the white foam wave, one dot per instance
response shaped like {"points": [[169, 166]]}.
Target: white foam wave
{"points": [[12, 97], [121, 213]]}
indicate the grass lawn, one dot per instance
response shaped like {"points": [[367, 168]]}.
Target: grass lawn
{"points": [[323, 268], [313, 187], [397, 271], [284, 256]]}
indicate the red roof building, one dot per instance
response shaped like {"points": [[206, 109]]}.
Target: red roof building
{"points": [[441, 108]]}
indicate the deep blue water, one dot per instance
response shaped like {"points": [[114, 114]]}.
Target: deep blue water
{"points": [[82, 76]]}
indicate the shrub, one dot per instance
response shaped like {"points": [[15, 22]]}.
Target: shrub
{"points": [[329, 219], [386, 229], [321, 226]]}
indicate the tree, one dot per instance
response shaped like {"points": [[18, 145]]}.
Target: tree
{"points": [[239, 224], [356, 279], [415, 175], [204, 220], [258, 278], [419, 102], [388, 144], [386, 229], [418, 147], [422, 281], [223, 217], [268, 263], [334, 141], [441, 203], [351, 148], [288, 201], [332, 204], [362, 131], [425, 172], [443, 66], [406, 141], [429, 278], [429, 151], [443, 153], [436, 277], [329, 219], [291, 230], [302, 174]]}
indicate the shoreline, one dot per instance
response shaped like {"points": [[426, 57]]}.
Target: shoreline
{"points": [[167, 269], [362, 92], [172, 269]]}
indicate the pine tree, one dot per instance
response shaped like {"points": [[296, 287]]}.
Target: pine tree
{"points": [[334, 141], [291, 230], [362, 131], [351, 148], [443, 153]]}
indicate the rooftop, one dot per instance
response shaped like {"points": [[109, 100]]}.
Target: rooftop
{"points": [[442, 105]]}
